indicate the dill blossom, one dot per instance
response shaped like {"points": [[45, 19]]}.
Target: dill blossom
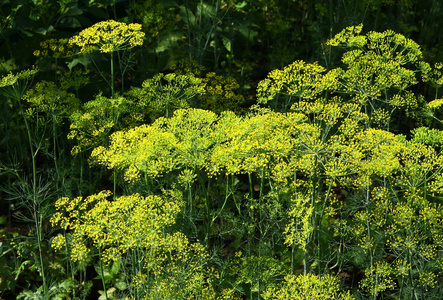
{"points": [[108, 36], [47, 98], [11, 79], [139, 227], [309, 286], [56, 48]]}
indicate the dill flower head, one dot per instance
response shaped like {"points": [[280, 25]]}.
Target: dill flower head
{"points": [[11, 78], [54, 48], [108, 36]]}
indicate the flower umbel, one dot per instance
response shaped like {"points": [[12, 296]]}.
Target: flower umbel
{"points": [[108, 36]]}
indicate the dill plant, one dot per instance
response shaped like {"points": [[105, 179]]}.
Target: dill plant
{"points": [[136, 233], [54, 49], [108, 37], [327, 184], [50, 107], [379, 70], [348, 107], [301, 156], [14, 87], [166, 93], [307, 286]]}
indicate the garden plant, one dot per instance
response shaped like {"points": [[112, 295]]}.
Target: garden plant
{"points": [[212, 149]]}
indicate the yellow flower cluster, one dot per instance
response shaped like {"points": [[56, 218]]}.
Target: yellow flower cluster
{"points": [[47, 98], [129, 225], [55, 48], [166, 93], [378, 279], [11, 79], [309, 286], [432, 75], [101, 117], [220, 93], [108, 36], [299, 80], [348, 37]]}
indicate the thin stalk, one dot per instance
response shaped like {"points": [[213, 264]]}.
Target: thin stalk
{"points": [[115, 183], [102, 272], [200, 51], [190, 198], [227, 194], [400, 293], [101, 74], [69, 261], [215, 23], [375, 286], [38, 227], [36, 208], [369, 237], [81, 172], [189, 32], [293, 244], [251, 187], [56, 69], [54, 141], [411, 280], [112, 74], [331, 5], [205, 192], [313, 219]]}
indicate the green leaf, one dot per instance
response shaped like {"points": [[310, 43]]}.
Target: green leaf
{"points": [[121, 285], [187, 16], [241, 5], [168, 41], [74, 12], [83, 60], [21, 267], [115, 268], [109, 293], [44, 31], [227, 43]]}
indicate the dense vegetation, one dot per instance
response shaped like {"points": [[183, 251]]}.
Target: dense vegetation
{"points": [[220, 149]]}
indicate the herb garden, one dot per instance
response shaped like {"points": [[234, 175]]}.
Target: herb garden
{"points": [[220, 150]]}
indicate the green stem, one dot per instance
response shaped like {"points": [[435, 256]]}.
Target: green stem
{"points": [[54, 141], [102, 272], [411, 279], [112, 74], [35, 204], [227, 194], [251, 187], [190, 199]]}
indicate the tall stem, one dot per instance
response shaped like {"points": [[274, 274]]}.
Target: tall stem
{"points": [[35, 204], [102, 272], [112, 74]]}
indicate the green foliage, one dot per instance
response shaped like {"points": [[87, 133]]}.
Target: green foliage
{"points": [[153, 16]]}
